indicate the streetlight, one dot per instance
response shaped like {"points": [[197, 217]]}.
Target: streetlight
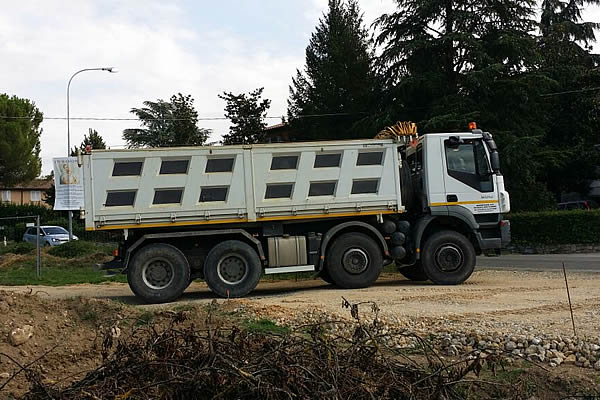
{"points": [[109, 69]]}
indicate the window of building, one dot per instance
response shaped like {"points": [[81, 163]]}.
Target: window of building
{"points": [[284, 162], [168, 167], [365, 186], [167, 196], [120, 198], [370, 158], [321, 189], [127, 168], [279, 191], [208, 194], [219, 165], [35, 195], [6, 195], [328, 160]]}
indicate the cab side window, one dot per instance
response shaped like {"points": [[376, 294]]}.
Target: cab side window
{"points": [[467, 162]]}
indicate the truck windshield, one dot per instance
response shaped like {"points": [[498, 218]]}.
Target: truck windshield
{"points": [[468, 163]]}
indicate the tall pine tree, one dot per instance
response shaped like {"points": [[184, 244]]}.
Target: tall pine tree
{"points": [[337, 79]]}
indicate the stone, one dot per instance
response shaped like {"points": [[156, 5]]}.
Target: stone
{"points": [[536, 357], [531, 349], [4, 307], [571, 359], [536, 341], [18, 336], [510, 346], [557, 360], [4, 375], [594, 347], [24, 353], [597, 366]]}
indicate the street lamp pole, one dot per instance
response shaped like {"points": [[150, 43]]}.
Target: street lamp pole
{"points": [[109, 69]]}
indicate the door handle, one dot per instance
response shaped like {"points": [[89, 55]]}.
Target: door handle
{"points": [[452, 198]]}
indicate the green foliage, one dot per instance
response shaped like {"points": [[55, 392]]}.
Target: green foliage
{"points": [[338, 77], [78, 248], [167, 124], [445, 63], [20, 135], [265, 326], [17, 248], [556, 227], [92, 139], [145, 318], [247, 113], [53, 275]]}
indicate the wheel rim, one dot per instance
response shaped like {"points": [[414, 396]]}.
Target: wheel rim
{"points": [[449, 258], [355, 261], [232, 269], [158, 273]]}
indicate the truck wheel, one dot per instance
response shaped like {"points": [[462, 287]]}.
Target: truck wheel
{"points": [[232, 269], [158, 273], [414, 272], [448, 258], [325, 276], [354, 260]]}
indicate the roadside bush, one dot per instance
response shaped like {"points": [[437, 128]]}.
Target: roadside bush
{"points": [[17, 248], [556, 227], [78, 248]]}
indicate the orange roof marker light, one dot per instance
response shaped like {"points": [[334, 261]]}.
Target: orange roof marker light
{"points": [[472, 125]]}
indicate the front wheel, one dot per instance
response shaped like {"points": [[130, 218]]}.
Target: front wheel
{"points": [[448, 258], [158, 273], [354, 260], [232, 269]]}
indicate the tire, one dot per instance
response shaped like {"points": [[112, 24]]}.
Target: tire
{"points": [[325, 276], [354, 260], [448, 258], [232, 269], [158, 273], [414, 273]]}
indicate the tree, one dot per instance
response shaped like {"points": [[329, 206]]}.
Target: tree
{"points": [[20, 135], [247, 113], [338, 77], [167, 124], [93, 139]]}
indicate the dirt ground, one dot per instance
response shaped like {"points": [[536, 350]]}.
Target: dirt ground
{"points": [[512, 302], [75, 318]]}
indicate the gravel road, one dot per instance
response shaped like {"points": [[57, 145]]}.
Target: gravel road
{"points": [[491, 300]]}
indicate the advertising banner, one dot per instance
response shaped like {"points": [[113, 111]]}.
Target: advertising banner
{"points": [[68, 181]]}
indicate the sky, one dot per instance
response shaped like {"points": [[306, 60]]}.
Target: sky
{"points": [[196, 47]]}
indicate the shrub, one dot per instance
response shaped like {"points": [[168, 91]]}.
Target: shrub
{"points": [[77, 248], [17, 248], [556, 227]]}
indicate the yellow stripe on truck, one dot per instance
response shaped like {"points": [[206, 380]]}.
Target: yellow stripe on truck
{"points": [[461, 203], [241, 220]]}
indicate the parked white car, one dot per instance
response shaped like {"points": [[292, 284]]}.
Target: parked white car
{"points": [[49, 235]]}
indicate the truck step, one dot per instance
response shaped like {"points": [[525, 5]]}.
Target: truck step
{"points": [[293, 268]]}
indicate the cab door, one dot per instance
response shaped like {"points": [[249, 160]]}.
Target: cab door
{"points": [[468, 177]]}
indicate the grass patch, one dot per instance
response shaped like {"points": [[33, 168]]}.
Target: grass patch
{"points": [[265, 326], [53, 275], [79, 248], [145, 318], [17, 248]]}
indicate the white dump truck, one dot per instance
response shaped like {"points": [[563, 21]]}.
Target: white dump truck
{"points": [[341, 209]]}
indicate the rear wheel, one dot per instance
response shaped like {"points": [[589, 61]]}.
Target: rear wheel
{"points": [[158, 273], [448, 258], [354, 260], [414, 272], [232, 269]]}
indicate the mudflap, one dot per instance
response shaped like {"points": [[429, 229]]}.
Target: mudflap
{"points": [[115, 263]]}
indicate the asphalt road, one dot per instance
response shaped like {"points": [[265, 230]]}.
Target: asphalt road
{"points": [[542, 262]]}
